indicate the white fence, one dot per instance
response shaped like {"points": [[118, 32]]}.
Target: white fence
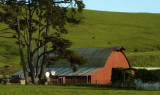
{"points": [[148, 86]]}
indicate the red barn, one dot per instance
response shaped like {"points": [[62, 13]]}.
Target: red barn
{"points": [[97, 70]]}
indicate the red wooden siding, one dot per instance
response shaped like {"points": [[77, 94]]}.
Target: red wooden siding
{"points": [[103, 76]]}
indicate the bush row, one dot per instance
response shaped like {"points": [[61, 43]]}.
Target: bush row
{"points": [[118, 74]]}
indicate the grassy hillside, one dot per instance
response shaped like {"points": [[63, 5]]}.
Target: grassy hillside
{"points": [[137, 32], [144, 59], [132, 30]]}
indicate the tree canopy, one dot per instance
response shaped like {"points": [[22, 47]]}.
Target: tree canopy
{"points": [[27, 17]]}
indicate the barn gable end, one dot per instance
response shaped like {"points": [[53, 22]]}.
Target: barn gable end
{"points": [[103, 76]]}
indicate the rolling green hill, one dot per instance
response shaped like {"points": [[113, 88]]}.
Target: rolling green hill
{"points": [[132, 30], [137, 32]]}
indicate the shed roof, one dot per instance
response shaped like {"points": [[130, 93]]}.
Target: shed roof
{"points": [[83, 71]]}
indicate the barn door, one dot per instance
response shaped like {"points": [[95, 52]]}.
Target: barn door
{"points": [[89, 79], [61, 80]]}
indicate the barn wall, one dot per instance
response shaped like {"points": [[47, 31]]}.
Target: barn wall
{"points": [[70, 79], [103, 76], [76, 79]]}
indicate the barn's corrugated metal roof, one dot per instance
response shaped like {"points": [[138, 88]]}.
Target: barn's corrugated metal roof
{"points": [[96, 59], [83, 71], [18, 73]]}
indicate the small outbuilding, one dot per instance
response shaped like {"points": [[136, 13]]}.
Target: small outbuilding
{"points": [[97, 70]]}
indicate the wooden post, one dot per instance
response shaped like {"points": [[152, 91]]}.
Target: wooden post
{"points": [[124, 80]]}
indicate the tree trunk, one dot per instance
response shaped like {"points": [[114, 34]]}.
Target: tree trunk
{"points": [[21, 54], [30, 48], [45, 56], [38, 51]]}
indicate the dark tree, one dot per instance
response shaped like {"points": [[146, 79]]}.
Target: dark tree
{"points": [[27, 17]]}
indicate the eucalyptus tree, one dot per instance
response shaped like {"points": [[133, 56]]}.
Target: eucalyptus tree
{"points": [[36, 17]]}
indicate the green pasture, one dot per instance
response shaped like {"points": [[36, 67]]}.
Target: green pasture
{"points": [[144, 59], [138, 33], [134, 31], [71, 90]]}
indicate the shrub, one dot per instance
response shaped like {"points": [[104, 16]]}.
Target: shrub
{"points": [[118, 75], [147, 75]]}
